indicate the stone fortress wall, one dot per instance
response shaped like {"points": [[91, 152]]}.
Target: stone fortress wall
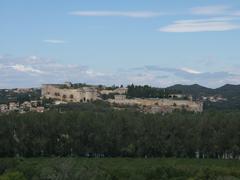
{"points": [[68, 94], [160, 104]]}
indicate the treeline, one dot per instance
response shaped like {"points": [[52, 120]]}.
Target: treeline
{"points": [[112, 133], [149, 92]]}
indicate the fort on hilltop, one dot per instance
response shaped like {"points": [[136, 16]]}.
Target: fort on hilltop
{"points": [[66, 92]]}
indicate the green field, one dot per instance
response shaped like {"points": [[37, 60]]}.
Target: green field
{"points": [[117, 168]]}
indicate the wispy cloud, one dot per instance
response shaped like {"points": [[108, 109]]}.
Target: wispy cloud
{"points": [[132, 14], [215, 10], [54, 41], [26, 69], [191, 71], [211, 10], [228, 21], [201, 25], [177, 71]]}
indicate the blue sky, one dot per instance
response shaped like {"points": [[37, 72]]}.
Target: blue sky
{"points": [[152, 42]]}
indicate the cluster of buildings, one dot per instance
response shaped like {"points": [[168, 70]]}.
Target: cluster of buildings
{"points": [[24, 107], [67, 93], [216, 98], [24, 90]]}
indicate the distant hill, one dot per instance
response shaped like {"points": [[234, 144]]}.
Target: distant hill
{"points": [[231, 92], [195, 90], [227, 90]]}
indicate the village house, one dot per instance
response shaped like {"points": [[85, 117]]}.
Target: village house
{"points": [[178, 96], [13, 106], [34, 103], [38, 109], [3, 108], [120, 97], [25, 106]]}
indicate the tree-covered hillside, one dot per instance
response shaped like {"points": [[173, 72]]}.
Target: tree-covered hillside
{"points": [[229, 91], [195, 90]]}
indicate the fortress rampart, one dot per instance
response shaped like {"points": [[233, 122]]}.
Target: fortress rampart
{"points": [[161, 104], [68, 94]]}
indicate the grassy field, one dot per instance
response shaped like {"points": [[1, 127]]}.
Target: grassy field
{"points": [[117, 168]]}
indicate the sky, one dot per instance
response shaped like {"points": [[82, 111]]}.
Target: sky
{"points": [[154, 42]]}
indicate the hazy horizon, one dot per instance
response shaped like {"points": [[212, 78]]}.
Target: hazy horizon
{"points": [[119, 85]]}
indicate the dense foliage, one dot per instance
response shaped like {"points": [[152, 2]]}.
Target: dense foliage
{"points": [[105, 132], [149, 92], [117, 169]]}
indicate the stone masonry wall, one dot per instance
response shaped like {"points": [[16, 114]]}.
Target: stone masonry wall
{"points": [[83, 94], [164, 103]]}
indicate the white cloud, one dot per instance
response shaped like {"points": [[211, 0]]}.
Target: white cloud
{"points": [[202, 25], [211, 10], [26, 69], [133, 14], [191, 71], [213, 19], [54, 41]]}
